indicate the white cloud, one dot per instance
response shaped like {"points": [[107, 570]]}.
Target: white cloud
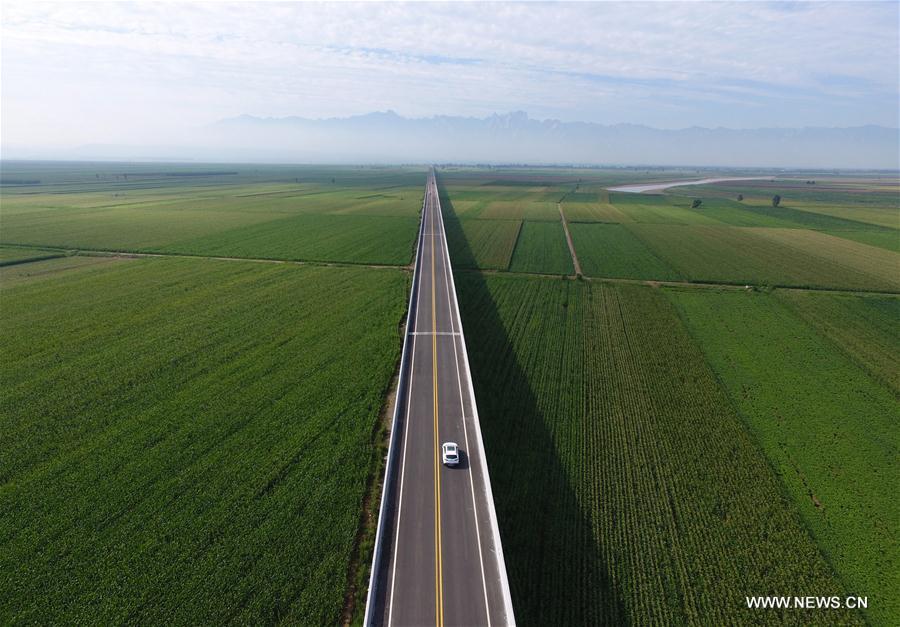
{"points": [[86, 71]]}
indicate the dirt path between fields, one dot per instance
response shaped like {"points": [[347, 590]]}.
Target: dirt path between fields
{"points": [[562, 218]]}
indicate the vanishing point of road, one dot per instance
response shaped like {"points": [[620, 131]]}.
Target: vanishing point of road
{"points": [[438, 555]]}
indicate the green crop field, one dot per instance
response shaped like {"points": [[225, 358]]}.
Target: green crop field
{"points": [[596, 211], [348, 238], [865, 327], [187, 441], [870, 201], [485, 244], [627, 488], [542, 248], [886, 215], [689, 446], [612, 250], [14, 274], [192, 440], [791, 257], [881, 267], [828, 428], [842, 202], [353, 215], [489, 242], [657, 209], [812, 240], [524, 209], [889, 240], [663, 237], [733, 213]]}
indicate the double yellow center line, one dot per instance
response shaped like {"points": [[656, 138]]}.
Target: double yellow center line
{"points": [[438, 570]]}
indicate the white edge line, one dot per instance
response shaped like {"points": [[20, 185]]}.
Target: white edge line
{"points": [[462, 411], [489, 495], [368, 618], [412, 367]]}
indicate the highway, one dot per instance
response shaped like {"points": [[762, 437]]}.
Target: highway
{"points": [[438, 559]]}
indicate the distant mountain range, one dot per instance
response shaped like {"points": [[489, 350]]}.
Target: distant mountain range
{"points": [[385, 137]]}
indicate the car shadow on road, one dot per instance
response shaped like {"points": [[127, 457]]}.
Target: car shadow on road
{"points": [[462, 464], [556, 571]]}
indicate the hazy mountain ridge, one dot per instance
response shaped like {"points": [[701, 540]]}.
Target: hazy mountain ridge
{"points": [[386, 137], [514, 137]]}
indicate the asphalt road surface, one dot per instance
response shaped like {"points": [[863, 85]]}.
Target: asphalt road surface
{"points": [[440, 565]]}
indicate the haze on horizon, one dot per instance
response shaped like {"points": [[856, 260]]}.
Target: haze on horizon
{"points": [[133, 74]]}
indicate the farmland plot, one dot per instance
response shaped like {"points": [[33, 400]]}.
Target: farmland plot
{"points": [[828, 428], [542, 248], [485, 244], [187, 441], [216, 231], [36, 271], [756, 211], [736, 213], [657, 209], [655, 505], [865, 327], [833, 205], [340, 214], [593, 212], [119, 228], [350, 238], [789, 257], [886, 215], [611, 250], [883, 266], [889, 240], [524, 209]]}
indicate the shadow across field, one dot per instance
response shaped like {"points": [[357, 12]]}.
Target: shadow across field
{"points": [[556, 572]]}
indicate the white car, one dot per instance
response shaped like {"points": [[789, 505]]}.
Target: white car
{"points": [[450, 453]]}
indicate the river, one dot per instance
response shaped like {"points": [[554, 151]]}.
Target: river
{"points": [[655, 187]]}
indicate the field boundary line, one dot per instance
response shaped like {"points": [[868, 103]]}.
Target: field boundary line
{"points": [[565, 224], [492, 512], [512, 253], [390, 465], [118, 252], [689, 284], [19, 262]]}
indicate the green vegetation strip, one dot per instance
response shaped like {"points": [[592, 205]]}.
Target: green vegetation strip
{"points": [[628, 490], [187, 441], [827, 427]]}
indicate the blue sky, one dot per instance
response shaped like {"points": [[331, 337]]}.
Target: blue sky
{"points": [[81, 73]]}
